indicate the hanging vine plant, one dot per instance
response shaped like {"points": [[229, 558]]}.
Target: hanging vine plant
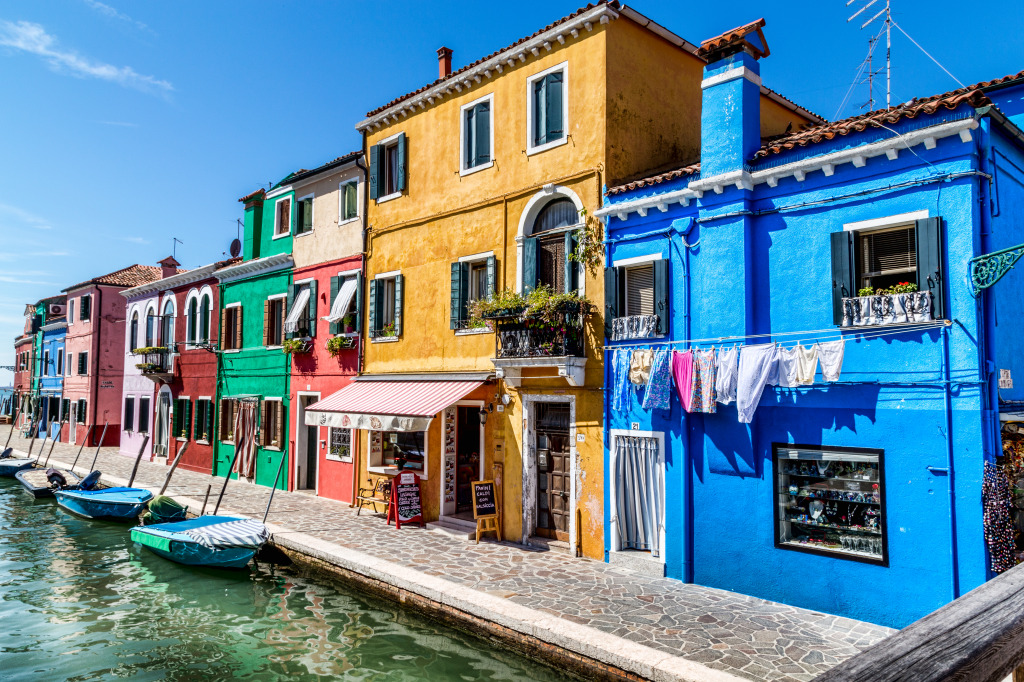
{"points": [[589, 247]]}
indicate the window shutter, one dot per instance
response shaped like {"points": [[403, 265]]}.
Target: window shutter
{"points": [[539, 112], [374, 171], [279, 426], [351, 200], [307, 215], [261, 429], [65, 408], [81, 363], [176, 419], [483, 133], [492, 268], [335, 327], [359, 302], [83, 310], [197, 427], [238, 327], [266, 323], [311, 309], [572, 270], [529, 265], [842, 272], [929, 263], [293, 291], [611, 298], [553, 103], [455, 313], [223, 328], [469, 141], [661, 293], [209, 420], [81, 410], [402, 162], [375, 312], [399, 279]]}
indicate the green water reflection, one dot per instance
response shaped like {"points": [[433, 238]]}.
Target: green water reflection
{"points": [[79, 601]]}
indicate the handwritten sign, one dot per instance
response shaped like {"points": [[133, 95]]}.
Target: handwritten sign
{"points": [[406, 504], [484, 500]]}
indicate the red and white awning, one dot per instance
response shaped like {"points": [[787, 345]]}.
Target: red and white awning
{"points": [[387, 405]]}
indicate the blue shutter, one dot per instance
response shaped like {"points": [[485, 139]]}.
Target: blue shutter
{"points": [[529, 265], [455, 312], [375, 309], [311, 309], [553, 107], [539, 112], [842, 272], [661, 294], [402, 160], [374, 171], [572, 269], [611, 298], [359, 302], [930, 270], [492, 271], [335, 285], [482, 134], [398, 304]]}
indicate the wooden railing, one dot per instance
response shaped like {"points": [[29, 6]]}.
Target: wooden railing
{"points": [[977, 638]]}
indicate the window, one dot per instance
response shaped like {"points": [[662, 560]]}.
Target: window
{"points": [[82, 412], [301, 319], [546, 252], [133, 332], [85, 308], [477, 142], [273, 321], [472, 280], [182, 418], [204, 421], [388, 168], [228, 413], [340, 448], [71, 311], [549, 109], [346, 304], [83, 364], [386, 306], [204, 319], [192, 320], [639, 284], [65, 410], [636, 299], [60, 362], [46, 362], [282, 217], [831, 501], [909, 252], [231, 328], [349, 209], [167, 326], [272, 424], [144, 414], [129, 414], [390, 448], [304, 223]]}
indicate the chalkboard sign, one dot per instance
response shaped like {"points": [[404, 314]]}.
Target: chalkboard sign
{"points": [[484, 504], [406, 505]]}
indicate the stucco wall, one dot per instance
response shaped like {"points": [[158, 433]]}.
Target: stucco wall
{"points": [[135, 384], [330, 239], [195, 371]]}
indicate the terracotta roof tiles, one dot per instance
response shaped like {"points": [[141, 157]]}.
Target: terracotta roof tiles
{"points": [[260, 193], [131, 276], [656, 179], [731, 37]]}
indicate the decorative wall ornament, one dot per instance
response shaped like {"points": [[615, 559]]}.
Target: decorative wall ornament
{"points": [[988, 269]]}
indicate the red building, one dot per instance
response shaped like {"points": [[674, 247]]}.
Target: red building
{"points": [[23, 364]]}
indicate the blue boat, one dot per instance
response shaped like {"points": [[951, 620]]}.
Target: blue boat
{"points": [[109, 503], [217, 541], [12, 465]]}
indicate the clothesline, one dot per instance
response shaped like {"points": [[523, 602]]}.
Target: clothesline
{"points": [[812, 336]]}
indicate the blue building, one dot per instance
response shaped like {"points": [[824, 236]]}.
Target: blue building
{"points": [[858, 493], [52, 408]]}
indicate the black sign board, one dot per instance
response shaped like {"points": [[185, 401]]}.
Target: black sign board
{"points": [[484, 503]]}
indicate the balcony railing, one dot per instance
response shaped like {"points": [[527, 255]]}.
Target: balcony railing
{"points": [[868, 311], [153, 360], [518, 337]]}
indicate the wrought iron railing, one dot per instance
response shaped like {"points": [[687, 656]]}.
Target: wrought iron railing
{"points": [[519, 337], [153, 360]]}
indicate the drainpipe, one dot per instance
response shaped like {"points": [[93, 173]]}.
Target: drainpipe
{"points": [[688, 506], [609, 379], [947, 400]]}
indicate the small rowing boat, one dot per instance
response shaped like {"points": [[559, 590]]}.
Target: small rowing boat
{"points": [[217, 541], [11, 465], [110, 503], [42, 482]]}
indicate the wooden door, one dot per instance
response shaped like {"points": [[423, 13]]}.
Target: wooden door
{"points": [[554, 505]]}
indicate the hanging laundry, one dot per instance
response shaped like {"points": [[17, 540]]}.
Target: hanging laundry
{"points": [[682, 373], [620, 379], [704, 381], [757, 365], [807, 364], [831, 356], [640, 366], [658, 386], [789, 360], [725, 374], [773, 375]]}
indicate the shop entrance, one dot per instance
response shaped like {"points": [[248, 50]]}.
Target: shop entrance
{"points": [[553, 471], [467, 454], [306, 446]]}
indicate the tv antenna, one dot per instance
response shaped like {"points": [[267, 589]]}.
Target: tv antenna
{"points": [[887, 11], [174, 247]]}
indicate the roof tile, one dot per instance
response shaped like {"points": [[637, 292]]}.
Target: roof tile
{"points": [[131, 276]]}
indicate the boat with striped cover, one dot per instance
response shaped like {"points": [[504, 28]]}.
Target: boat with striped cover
{"points": [[216, 541], [110, 503]]}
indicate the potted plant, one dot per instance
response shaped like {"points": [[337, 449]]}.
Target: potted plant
{"points": [[147, 367], [389, 330], [336, 344], [348, 323], [501, 304], [290, 346]]}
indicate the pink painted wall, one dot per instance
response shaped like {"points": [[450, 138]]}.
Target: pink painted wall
{"points": [[135, 384]]}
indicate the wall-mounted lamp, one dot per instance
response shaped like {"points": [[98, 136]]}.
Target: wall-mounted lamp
{"points": [[484, 412]]}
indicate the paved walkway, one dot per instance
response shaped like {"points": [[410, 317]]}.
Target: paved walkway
{"points": [[690, 631]]}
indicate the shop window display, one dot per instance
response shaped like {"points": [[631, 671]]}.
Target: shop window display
{"points": [[404, 449], [831, 501]]}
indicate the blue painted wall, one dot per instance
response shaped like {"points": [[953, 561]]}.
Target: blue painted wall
{"points": [[768, 271], [51, 384]]}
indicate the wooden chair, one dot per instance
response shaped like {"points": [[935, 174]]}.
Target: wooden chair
{"points": [[375, 492]]}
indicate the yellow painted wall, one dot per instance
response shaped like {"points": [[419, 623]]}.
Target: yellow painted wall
{"points": [[329, 240]]}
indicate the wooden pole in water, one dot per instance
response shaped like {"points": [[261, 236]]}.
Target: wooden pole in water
{"points": [[174, 465], [274, 489], [138, 458], [234, 458], [52, 444], [10, 433], [87, 436], [43, 446], [32, 442], [97, 455], [205, 500]]}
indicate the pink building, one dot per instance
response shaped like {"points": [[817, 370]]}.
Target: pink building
{"points": [[94, 354]]}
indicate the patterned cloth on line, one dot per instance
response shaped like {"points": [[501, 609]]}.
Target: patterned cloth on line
{"points": [[658, 385], [620, 379], [241, 533], [704, 366]]}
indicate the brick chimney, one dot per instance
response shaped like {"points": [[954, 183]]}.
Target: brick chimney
{"points": [[444, 62], [168, 267]]}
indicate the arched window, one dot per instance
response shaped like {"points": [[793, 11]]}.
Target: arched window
{"points": [[558, 213], [193, 314], [150, 327], [167, 326], [204, 319], [546, 253], [133, 332]]}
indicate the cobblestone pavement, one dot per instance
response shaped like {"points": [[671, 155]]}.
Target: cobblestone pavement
{"points": [[748, 637]]}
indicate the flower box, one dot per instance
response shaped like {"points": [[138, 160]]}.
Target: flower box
{"points": [[869, 311]]}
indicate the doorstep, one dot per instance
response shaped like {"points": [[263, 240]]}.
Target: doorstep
{"points": [[641, 562], [458, 529]]}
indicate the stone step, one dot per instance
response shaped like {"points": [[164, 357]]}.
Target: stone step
{"points": [[454, 528]]}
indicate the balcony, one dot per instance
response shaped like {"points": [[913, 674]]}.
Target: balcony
{"points": [[553, 341], [155, 362], [887, 309]]}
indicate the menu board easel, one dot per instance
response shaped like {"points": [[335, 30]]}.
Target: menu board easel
{"points": [[485, 509], [406, 505]]}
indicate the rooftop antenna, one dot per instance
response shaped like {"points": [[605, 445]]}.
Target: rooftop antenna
{"points": [[887, 11], [174, 247]]}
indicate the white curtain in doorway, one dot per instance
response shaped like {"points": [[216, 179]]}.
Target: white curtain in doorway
{"points": [[640, 493]]}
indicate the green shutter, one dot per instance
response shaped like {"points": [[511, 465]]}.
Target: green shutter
{"points": [[661, 293], [529, 265], [553, 102], [335, 285], [187, 426], [402, 161], [572, 270], [351, 200], [209, 420], [307, 216], [204, 321], [539, 112], [842, 272], [469, 141], [492, 270], [311, 309], [611, 298], [293, 290], [359, 302], [176, 427], [930, 263], [374, 171], [483, 133], [455, 312], [399, 279], [197, 428], [375, 310]]}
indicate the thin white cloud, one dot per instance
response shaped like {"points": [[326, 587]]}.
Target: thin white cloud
{"points": [[26, 218], [122, 124], [18, 280], [33, 39], [134, 240], [108, 11]]}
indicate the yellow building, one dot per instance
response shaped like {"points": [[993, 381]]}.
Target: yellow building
{"points": [[480, 183]]}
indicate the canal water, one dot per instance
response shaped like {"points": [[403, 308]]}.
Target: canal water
{"points": [[80, 601]]}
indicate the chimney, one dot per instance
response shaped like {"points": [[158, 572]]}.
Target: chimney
{"points": [[444, 62], [168, 267], [730, 117]]}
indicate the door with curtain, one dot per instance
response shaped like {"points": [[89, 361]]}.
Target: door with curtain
{"points": [[163, 431], [639, 494]]}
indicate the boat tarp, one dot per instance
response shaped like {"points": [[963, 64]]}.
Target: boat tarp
{"points": [[112, 495], [215, 532], [150, 540], [163, 509]]}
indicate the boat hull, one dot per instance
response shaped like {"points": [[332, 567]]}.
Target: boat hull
{"points": [[95, 506], [194, 554], [177, 542], [10, 467], [36, 484]]}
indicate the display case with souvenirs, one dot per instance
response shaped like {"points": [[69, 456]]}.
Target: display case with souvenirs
{"points": [[830, 501]]}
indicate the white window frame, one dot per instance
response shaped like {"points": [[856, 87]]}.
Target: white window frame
{"points": [[284, 315], [291, 211], [173, 410], [887, 221], [473, 260], [312, 215], [463, 170], [384, 143], [343, 275], [284, 434], [86, 354], [380, 469], [151, 306], [342, 220], [530, 148], [236, 304], [351, 440], [71, 311], [195, 411], [169, 344], [393, 274]]}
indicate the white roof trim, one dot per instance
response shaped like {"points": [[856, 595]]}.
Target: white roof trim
{"points": [[254, 267], [171, 282]]}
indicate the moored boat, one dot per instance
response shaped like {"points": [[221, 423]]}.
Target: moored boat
{"points": [[43, 482], [216, 541], [110, 503], [12, 465]]}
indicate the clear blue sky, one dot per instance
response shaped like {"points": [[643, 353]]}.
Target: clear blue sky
{"points": [[125, 124]]}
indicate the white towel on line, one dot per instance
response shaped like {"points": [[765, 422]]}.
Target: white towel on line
{"points": [[757, 365], [725, 379], [831, 356], [807, 364]]}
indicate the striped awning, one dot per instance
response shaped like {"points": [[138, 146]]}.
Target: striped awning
{"points": [[387, 405]]}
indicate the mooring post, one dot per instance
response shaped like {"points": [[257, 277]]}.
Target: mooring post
{"points": [[227, 478], [87, 436], [205, 500], [174, 465], [138, 458], [274, 489], [97, 455], [10, 433], [43, 445], [31, 443], [52, 444]]}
